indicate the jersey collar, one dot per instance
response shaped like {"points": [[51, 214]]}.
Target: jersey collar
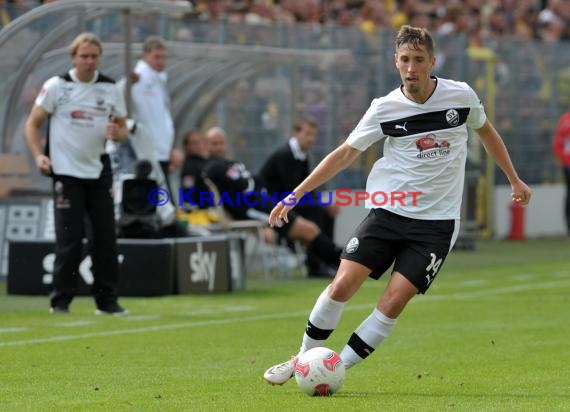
{"points": [[76, 80], [298, 154], [429, 97]]}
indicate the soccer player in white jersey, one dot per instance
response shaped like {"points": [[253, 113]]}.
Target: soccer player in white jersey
{"points": [[424, 126], [84, 108]]}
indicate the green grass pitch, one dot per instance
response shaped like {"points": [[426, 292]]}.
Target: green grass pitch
{"points": [[492, 334]]}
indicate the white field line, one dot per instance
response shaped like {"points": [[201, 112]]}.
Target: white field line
{"points": [[12, 330], [76, 323], [139, 318], [158, 328]]}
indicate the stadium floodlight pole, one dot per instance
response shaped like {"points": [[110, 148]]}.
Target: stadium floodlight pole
{"points": [[128, 60]]}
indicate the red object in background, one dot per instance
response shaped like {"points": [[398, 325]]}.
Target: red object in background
{"points": [[517, 222]]}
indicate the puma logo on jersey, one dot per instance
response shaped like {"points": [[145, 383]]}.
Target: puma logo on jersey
{"points": [[401, 126]]}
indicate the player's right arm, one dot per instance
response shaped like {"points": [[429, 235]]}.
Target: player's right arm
{"points": [[37, 117]]}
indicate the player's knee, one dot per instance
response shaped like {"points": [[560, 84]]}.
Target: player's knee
{"points": [[310, 228], [343, 286], [339, 291], [304, 230]]}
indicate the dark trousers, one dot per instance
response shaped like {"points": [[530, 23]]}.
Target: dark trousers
{"points": [[77, 203], [566, 172], [318, 215]]}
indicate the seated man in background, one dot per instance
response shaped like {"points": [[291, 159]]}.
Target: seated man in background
{"points": [[285, 169], [242, 199], [195, 158]]}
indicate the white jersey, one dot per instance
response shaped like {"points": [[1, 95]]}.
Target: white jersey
{"points": [[424, 152], [151, 107], [79, 113]]}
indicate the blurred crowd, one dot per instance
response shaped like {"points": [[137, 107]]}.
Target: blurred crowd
{"points": [[481, 20]]}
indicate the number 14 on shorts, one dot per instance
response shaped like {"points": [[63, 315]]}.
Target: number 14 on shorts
{"points": [[433, 267]]}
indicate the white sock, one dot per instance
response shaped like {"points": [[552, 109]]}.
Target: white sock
{"points": [[322, 321], [366, 338]]}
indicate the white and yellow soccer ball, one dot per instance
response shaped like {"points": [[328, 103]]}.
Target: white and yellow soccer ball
{"points": [[319, 372]]}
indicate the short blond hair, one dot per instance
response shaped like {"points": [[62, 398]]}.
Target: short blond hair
{"points": [[86, 37], [153, 42]]}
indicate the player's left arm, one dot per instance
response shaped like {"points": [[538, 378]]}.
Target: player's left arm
{"points": [[496, 148]]}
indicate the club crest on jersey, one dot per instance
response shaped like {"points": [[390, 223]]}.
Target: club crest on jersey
{"points": [[99, 94], [237, 171], [452, 117], [429, 147], [65, 94], [233, 173], [352, 245]]}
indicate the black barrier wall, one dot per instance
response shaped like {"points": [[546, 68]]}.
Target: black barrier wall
{"points": [[148, 267]]}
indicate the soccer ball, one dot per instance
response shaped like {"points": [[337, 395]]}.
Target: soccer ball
{"points": [[319, 372]]}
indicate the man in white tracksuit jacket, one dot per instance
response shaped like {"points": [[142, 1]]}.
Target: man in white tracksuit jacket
{"points": [[151, 102]]}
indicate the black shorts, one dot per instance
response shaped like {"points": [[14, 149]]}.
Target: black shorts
{"points": [[417, 248]]}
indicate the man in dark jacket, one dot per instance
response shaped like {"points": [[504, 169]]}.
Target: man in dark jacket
{"points": [[288, 166]]}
